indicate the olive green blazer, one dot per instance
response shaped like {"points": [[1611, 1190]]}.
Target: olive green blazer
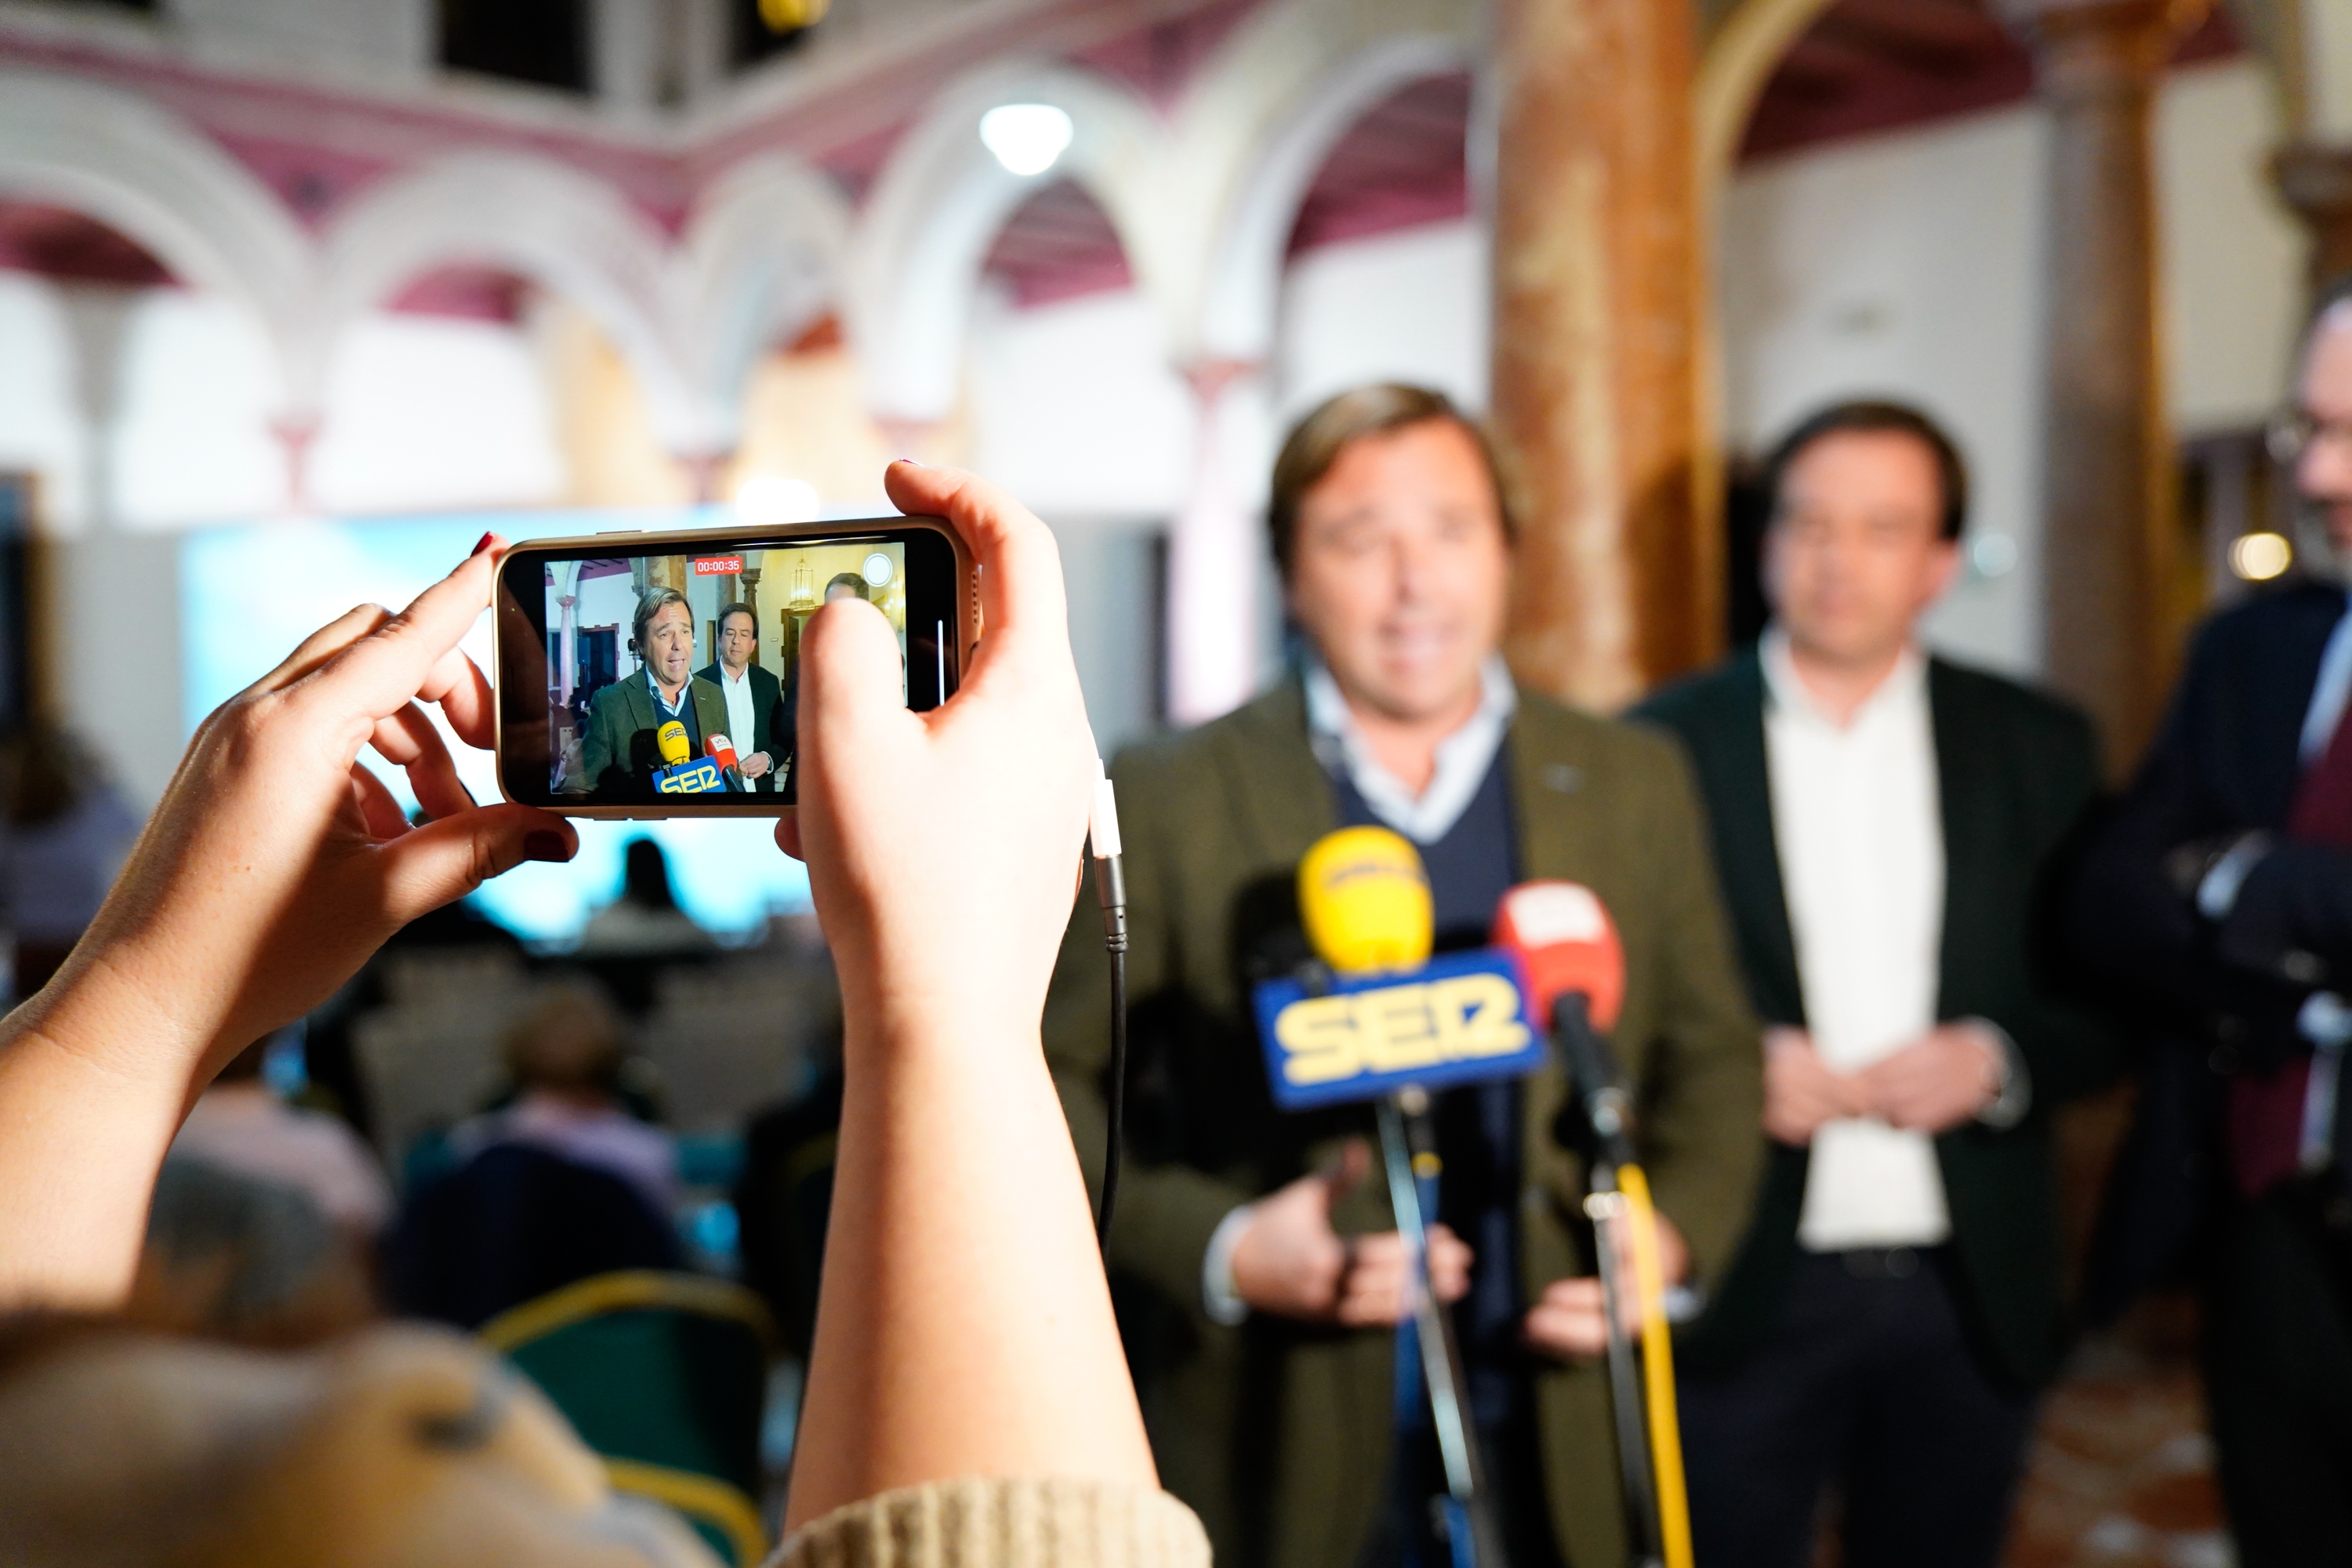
{"points": [[618, 756], [1277, 1433]]}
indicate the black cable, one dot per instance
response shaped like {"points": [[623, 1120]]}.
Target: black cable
{"points": [[1110, 892], [1111, 1137]]}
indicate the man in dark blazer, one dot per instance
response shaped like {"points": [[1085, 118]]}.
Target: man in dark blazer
{"points": [[1885, 823], [2218, 900], [622, 751], [1261, 1279], [787, 725], [754, 699]]}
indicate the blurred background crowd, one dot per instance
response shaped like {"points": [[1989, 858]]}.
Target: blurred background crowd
{"points": [[298, 296]]}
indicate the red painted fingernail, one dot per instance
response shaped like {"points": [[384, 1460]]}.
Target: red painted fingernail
{"points": [[545, 844], [479, 545]]}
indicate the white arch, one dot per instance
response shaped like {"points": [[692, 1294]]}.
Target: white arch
{"points": [[763, 259], [160, 179], [940, 200], [1256, 128], [572, 233]]}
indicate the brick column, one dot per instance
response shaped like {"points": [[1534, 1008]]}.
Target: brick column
{"points": [[2110, 635], [1599, 296]]}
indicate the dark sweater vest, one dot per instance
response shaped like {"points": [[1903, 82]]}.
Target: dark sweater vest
{"points": [[1477, 1127]]}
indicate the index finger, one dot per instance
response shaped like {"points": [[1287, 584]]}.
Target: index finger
{"points": [[384, 669]]}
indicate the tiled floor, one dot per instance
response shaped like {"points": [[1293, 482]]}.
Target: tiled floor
{"points": [[2121, 1474]]}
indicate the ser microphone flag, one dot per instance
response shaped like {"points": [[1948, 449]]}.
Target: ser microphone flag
{"points": [[682, 775], [1391, 1016]]}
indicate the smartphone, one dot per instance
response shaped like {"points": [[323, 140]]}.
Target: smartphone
{"points": [[646, 674]]}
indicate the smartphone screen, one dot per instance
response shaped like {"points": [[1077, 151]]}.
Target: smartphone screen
{"points": [[659, 675]]}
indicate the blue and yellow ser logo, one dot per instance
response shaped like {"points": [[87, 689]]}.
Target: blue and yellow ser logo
{"points": [[1458, 1019], [701, 777]]}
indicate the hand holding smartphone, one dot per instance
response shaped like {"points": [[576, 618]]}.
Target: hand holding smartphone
{"points": [[648, 675]]}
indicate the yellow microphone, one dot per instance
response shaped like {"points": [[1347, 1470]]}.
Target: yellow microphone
{"points": [[671, 739], [1364, 899]]}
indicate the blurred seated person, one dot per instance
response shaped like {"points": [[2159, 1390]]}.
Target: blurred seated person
{"points": [[241, 1125], [329, 1059], [621, 754], [755, 697], [925, 1404], [559, 1185], [245, 1259], [64, 832], [564, 1056]]}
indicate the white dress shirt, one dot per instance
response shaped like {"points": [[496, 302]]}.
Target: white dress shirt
{"points": [[736, 689], [1463, 758], [1859, 824]]}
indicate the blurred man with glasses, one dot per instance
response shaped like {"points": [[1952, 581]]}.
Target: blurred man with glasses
{"points": [[2218, 903]]}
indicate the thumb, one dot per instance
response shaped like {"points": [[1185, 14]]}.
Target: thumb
{"points": [[429, 867], [850, 671]]}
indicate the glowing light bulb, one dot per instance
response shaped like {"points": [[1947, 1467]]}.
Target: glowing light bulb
{"points": [[2259, 557], [1027, 137]]}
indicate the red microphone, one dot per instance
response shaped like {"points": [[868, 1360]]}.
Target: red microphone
{"points": [[721, 749], [1566, 942], [1575, 968]]}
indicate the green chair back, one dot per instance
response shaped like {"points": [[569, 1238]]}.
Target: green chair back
{"points": [[664, 1377]]}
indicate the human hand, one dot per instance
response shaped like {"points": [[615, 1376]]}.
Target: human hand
{"points": [[996, 780], [1566, 1320], [1290, 1262], [1802, 1092], [755, 766], [1942, 1078], [275, 864], [964, 1327]]}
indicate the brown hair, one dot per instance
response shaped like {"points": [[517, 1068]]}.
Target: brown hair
{"points": [[1315, 443], [1871, 416], [738, 608], [570, 1039]]}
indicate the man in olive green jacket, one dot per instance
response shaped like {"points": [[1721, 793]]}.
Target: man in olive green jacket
{"points": [[1266, 1364]]}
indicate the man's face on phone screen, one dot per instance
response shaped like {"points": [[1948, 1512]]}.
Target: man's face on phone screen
{"points": [[669, 645]]}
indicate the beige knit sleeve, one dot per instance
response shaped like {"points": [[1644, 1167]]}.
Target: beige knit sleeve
{"points": [[981, 1523]]}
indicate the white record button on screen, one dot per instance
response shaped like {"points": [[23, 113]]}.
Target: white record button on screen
{"points": [[876, 570]]}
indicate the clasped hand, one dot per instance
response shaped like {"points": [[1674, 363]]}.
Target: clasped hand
{"points": [[1942, 1078], [1292, 1263]]}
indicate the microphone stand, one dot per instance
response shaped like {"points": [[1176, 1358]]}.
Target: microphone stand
{"points": [[1594, 1091], [1473, 1538]]}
